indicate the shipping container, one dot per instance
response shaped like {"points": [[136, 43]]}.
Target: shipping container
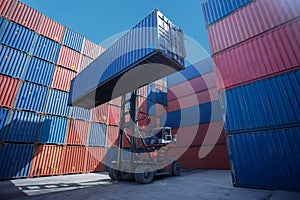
{"points": [[193, 99], [6, 7], [69, 58], [272, 53], [51, 29], [46, 161], [95, 159], [77, 133], [214, 10], [114, 115], [268, 159], [85, 61], [57, 103], [162, 51], [15, 160], [46, 49], [97, 135], [62, 78], [190, 72], [112, 136], [53, 130], [116, 101], [3, 117], [79, 113], [73, 40], [216, 159], [12, 62], [26, 16], [16, 36], [252, 20], [22, 127], [91, 49], [199, 114], [31, 97], [8, 91], [73, 159], [39, 71], [192, 86], [265, 104], [202, 134], [100, 113]]}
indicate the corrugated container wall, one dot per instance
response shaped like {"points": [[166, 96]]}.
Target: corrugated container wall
{"points": [[79, 113], [73, 40], [97, 134], [8, 91], [9, 154], [51, 29], [91, 49], [62, 78], [3, 118], [77, 133], [7, 6], [69, 58], [95, 159], [53, 130], [73, 159], [57, 103]]}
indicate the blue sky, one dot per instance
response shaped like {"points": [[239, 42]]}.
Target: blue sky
{"points": [[98, 20]]}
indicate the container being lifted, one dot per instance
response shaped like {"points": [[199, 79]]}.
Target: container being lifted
{"points": [[151, 50]]}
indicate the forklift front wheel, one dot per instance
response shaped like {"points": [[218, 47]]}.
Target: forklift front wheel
{"points": [[144, 174], [176, 169], [114, 174]]}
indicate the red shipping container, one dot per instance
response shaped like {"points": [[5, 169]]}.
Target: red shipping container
{"points": [[91, 49], [112, 136], [192, 100], [116, 101], [77, 133], [8, 91], [142, 91], [216, 159], [69, 58], [62, 79], [26, 16], [249, 21], [100, 114], [51, 29], [85, 61], [272, 53], [203, 134], [142, 104], [192, 86], [114, 115], [73, 159], [6, 7], [46, 161], [95, 159]]}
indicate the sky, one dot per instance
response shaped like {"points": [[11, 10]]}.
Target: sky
{"points": [[99, 20]]}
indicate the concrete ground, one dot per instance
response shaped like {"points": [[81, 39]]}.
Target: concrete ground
{"points": [[199, 184]]}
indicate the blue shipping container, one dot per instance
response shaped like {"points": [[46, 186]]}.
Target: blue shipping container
{"points": [[53, 130], [39, 71], [22, 127], [151, 50], [73, 40], [199, 114], [12, 62], [57, 103], [46, 49], [97, 134], [3, 117], [15, 160], [269, 159], [190, 72], [272, 102], [79, 113], [31, 97], [16, 36], [214, 10]]}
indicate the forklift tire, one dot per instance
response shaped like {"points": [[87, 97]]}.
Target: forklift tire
{"points": [[114, 174], [144, 174], [176, 169]]}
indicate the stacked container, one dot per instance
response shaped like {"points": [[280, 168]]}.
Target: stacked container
{"points": [[194, 113], [256, 51], [39, 134]]}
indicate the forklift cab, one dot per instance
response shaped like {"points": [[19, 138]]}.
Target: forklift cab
{"points": [[160, 135]]}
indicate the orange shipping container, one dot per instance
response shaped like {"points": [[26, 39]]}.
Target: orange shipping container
{"points": [[69, 58], [77, 133], [95, 159], [114, 115], [46, 161], [8, 91], [62, 79], [100, 113], [74, 159], [116, 101], [112, 136]]}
